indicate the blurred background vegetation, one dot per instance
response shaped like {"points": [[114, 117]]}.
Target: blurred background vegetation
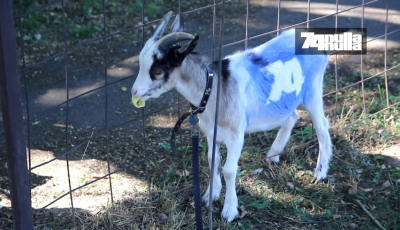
{"points": [[80, 16], [43, 34]]}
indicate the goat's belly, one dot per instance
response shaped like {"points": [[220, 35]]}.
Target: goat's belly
{"points": [[266, 124]]}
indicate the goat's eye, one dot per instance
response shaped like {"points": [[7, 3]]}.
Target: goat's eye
{"points": [[156, 72]]}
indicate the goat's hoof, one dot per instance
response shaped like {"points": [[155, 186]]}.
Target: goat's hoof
{"points": [[229, 212], [320, 173], [272, 159], [216, 192], [206, 198]]}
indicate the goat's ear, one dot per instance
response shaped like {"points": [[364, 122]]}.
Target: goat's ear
{"points": [[177, 25], [161, 26], [189, 47]]}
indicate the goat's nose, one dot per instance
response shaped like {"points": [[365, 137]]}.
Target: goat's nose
{"points": [[133, 91]]}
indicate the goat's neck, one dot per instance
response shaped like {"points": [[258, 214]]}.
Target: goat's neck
{"points": [[192, 78]]}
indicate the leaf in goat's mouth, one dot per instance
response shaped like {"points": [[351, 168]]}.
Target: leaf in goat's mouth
{"points": [[137, 102]]}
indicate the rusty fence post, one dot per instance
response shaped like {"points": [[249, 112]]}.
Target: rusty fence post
{"points": [[13, 121]]}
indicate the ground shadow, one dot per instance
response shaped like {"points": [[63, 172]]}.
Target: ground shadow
{"points": [[279, 196]]}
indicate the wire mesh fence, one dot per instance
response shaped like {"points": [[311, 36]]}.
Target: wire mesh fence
{"points": [[78, 60]]}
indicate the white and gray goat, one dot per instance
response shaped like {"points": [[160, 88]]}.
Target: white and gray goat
{"points": [[261, 89]]}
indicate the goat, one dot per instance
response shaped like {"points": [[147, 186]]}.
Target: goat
{"points": [[261, 89]]}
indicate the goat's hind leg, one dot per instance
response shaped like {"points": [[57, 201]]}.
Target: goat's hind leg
{"points": [[321, 126], [282, 138], [217, 185]]}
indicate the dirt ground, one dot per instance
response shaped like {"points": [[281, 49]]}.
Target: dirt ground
{"points": [[44, 90]]}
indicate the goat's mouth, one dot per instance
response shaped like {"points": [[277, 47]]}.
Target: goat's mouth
{"points": [[153, 92]]}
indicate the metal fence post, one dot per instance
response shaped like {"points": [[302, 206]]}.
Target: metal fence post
{"points": [[13, 121]]}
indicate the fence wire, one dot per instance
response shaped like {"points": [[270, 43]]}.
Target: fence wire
{"points": [[179, 102]]}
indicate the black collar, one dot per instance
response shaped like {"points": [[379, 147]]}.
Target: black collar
{"points": [[206, 95], [194, 110]]}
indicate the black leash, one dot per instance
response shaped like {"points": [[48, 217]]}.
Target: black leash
{"points": [[195, 144], [175, 131], [196, 179]]}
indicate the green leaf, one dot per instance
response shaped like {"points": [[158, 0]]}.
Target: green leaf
{"points": [[201, 145], [300, 166], [328, 213], [297, 200], [166, 146], [241, 199], [258, 220], [259, 204]]}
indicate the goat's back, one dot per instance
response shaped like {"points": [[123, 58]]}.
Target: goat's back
{"points": [[273, 81]]}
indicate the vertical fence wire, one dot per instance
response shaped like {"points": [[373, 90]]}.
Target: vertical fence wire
{"points": [[308, 26], [144, 115], [182, 159], [278, 19], [362, 61], [247, 24], [28, 123], [213, 154], [308, 13], [336, 67], [213, 28], [251, 142], [106, 97], [385, 60], [67, 108], [215, 133]]}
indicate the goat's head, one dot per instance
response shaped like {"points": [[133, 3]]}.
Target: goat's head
{"points": [[161, 58]]}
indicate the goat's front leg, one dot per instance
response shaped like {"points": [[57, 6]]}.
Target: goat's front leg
{"points": [[234, 146], [217, 185]]}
